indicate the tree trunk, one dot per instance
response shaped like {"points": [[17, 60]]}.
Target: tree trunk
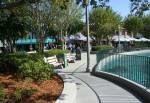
{"points": [[109, 40], [10, 48], [61, 36], [100, 41], [41, 43], [13, 46], [65, 41]]}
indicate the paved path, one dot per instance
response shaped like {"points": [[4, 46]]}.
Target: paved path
{"points": [[92, 89]]}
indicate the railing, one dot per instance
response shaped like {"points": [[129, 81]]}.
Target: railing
{"points": [[132, 67]]}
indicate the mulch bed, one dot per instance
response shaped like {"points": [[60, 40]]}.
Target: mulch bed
{"points": [[47, 91]]}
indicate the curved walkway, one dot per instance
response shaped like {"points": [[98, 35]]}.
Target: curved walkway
{"points": [[91, 89]]}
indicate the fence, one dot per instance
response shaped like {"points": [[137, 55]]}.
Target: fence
{"points": [[132, 67]]}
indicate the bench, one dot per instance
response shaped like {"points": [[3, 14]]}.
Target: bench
{"points": [[30, 52], [70, 58], [53, 61]]}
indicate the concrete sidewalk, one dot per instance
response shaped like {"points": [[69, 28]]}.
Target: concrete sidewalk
{"points": [[91, 89], [84, 93]]}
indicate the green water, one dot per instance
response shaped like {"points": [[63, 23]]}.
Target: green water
{"points": [[135, 68]]}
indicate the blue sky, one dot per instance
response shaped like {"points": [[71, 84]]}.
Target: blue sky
{"points": [[120, 6]]}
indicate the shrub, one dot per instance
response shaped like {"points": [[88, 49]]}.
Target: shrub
{"points": [[26, 66], [2, 94], [36, 56], [21, 93], [10, 62], [36, 70], [57, 52], [18, 94], [101, 47]]}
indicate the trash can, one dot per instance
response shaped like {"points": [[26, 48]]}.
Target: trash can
{"points": [[63, 59], [78, 54]]}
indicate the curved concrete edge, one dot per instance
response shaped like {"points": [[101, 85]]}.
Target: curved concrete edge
{"points": [[137, 89], [135, 52], [68, 94]]}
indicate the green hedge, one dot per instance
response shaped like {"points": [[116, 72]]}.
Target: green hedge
{"points": [[101, 47]]}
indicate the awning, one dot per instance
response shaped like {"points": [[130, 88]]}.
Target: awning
{"points": [[50, 40], [33, 41]]}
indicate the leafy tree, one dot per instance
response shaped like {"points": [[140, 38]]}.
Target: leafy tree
{"points": [[94, 3], [103, 23], [76, 26], [146, 23], [8, 4], [133, 24], [49, 16], [138, 7], [66, 21], [12, 26], [39, 17]]}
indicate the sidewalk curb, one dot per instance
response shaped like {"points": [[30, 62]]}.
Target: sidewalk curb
{"points": [[69, 92]]}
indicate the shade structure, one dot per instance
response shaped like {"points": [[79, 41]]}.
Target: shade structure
{"points": [[127, 38], [124, 38], [80, 36], [121, 38], [71, 37], [144, 39], [33, 41], [89, 39], [134, 39]]}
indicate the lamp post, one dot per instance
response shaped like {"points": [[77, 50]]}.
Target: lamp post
{"points": [[86, 2]]}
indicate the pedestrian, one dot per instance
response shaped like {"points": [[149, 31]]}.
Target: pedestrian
{"points": [[73, 48]]}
